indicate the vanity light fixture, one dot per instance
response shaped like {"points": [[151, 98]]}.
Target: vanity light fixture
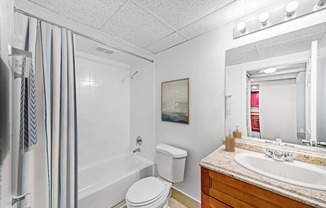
{"points": [[269, 70], [291, 7], [263, 18], [242, 27]]}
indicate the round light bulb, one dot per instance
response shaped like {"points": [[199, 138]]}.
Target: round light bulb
{"points": [[321, 3], [291, 7], [263, 18], [242, 27], [270, 70]]}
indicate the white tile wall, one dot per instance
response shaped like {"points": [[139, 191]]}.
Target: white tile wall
{"points": [[103, 108]]}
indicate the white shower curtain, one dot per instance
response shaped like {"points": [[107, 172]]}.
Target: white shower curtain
{"points": [[57, 146]]}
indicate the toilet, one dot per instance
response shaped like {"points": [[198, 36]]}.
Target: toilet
{"points": [[154, 192]]}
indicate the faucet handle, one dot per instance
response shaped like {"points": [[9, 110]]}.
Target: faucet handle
{"points": [[288, 156], [269, 152]]}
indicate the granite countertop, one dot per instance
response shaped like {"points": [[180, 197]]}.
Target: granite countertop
{"points": [[222, 161]]}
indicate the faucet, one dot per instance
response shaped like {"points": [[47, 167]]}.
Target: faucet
{"points": [[279, 155], [136, 150], [278, 141]]}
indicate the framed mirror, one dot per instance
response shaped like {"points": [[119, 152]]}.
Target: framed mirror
{"points": [[276, 88]]}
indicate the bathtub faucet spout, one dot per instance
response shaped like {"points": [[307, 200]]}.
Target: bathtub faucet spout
{"points": [[136, 150]]}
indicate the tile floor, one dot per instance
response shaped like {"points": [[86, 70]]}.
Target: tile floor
{"points": [[173, 204]]}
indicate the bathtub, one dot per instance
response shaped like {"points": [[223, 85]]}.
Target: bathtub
{"points": [[104, 184]]}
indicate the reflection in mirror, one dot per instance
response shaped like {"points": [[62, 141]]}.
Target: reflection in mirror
{"points": [[277, 94], [272, 89]]}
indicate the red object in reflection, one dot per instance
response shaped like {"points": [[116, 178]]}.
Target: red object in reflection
{"points": [[254, 99], [255, 122]]}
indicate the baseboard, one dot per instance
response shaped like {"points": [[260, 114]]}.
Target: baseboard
{"points": [[179, 196], [184, 199]]}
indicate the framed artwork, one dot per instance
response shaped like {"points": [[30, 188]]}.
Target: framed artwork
{"points": [[175, 101]]}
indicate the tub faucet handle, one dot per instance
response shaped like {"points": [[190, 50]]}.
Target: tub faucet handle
{"points": [[139, 141]]}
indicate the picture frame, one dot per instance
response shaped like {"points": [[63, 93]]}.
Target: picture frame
{"points": [[175, 101]]}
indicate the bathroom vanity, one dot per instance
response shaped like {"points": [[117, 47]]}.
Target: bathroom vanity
{"points": [[225, 183]]}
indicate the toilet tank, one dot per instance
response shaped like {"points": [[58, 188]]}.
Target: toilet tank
{"points": [[171, 162]]}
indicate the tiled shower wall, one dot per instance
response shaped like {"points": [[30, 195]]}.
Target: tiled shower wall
{"points": [[102, 108]]}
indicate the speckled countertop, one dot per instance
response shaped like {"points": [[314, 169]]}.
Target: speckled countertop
{"points": [[222, 161]]}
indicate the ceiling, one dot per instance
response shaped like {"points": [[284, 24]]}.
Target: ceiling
{"points": [[154, 25]]}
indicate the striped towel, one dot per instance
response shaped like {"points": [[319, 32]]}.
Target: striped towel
{"points": [[28, 126]]}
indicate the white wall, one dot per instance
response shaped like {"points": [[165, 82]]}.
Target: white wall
{"points": [[103, 108], [203, 61], [301, 101], [277, 110], [142, 109], [321, 95], [233, 88]]}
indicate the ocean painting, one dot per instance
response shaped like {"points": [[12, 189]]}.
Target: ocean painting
{"points": [[175, 101]]}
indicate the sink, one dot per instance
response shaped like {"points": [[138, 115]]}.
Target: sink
{"points": [[296, 173]]}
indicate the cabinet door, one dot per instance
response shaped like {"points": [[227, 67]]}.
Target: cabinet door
{"points": [[235, 193], [210, 202]]}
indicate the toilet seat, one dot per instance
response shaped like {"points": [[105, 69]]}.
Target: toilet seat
{"points": [[147, 191]]}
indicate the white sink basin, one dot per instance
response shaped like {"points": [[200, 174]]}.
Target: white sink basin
{"points": [[296, 173]]}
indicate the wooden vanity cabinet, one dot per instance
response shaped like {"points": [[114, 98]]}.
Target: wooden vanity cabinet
{"points": [[221, 191]]}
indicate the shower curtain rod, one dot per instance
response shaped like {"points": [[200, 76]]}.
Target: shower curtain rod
{"points": [[82, 35]]}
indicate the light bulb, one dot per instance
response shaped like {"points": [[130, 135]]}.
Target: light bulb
{"points": [[242, 27], [270, 70], [291, 7], [321, 3], [263, 18]]}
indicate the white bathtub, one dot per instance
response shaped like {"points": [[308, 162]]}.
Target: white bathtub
{"points": [[104, 184]]}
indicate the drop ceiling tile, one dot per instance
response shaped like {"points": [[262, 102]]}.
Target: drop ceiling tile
{"points": [[180, 13], [131, 23], [93, 13], [225, 15], [166, 42], [251, 6]]}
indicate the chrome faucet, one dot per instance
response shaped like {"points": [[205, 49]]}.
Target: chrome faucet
{"points": [[278, 141], [279, 155], [136, 150]]}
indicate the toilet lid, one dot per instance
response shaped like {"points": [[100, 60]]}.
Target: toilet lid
{"points": [[145, 191]]}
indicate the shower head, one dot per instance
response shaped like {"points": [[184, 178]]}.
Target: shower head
{"points": [[133, 75]]}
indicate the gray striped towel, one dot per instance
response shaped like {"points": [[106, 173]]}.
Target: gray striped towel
{"points": [[28, 126]]}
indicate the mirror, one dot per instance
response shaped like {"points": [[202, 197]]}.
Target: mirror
{"points": [[276, 88]]}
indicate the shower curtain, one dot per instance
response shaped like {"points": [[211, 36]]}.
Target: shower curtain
{"points": [[54, 157]]}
